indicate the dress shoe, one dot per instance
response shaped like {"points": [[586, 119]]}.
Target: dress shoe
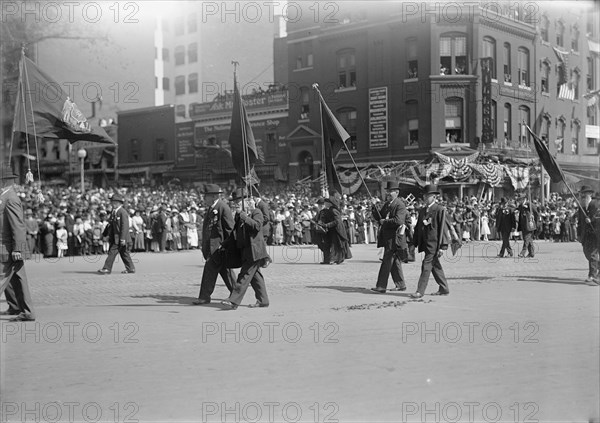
{"points": [[128, 271], [510, 254], [416, 295], [325, 262], [521, 255], [23, 317], [378, 290], [104, 271], [200, 302], [398, 288], [9, 312], [500, 256], [229, 304], [441, 293], [258, 304]]}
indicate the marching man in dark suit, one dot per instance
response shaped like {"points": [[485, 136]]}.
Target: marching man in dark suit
{"points": [[391, 217], [432, 237], [13, 280], [247, 236], [527, 224], [588, 231], [117, 232], [266, 212], [216, 228], [505, 225]]}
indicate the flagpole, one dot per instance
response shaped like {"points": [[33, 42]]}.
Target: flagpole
{"points": [[323, 181], [244, 135]]}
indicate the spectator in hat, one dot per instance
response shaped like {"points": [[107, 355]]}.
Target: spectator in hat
{"points": [[588, 231], [32, 228], [13, 279], [117, 232], [391, 219]]}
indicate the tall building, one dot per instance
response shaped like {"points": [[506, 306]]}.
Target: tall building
{"points": [[405, 80]]}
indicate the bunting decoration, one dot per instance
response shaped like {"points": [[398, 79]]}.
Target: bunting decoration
{"points": [[461, 168], [351, 181], [519, 176], [491, 173]]}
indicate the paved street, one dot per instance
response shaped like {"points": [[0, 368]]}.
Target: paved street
{"points": [[517, 340]]}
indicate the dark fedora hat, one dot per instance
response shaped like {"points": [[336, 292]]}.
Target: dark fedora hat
{"points": [[6, 172], [392, 185], [117, 197], [239, 194], [212, 189], [431, 189], [585, 188]]}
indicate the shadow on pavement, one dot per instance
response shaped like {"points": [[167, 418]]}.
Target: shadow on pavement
{"points": [[175, 299], [354, 289], [550, 279], [471, 278]]}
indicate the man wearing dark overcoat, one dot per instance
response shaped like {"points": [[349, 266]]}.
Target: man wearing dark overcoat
{"points": [[323, 241], [266, 212], [391, 217], [216, 228], [432, 237], [13, 280], [527, 213], [118, 235], [505, 225], [588, 232], [248, 238]]}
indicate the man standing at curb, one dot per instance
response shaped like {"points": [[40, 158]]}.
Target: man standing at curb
{"points": [[588, 231], [117, 232], [13, 280], [431, 237]]}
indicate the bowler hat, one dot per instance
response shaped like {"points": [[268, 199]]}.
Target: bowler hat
{"points": [[392, 185], [431, 189], [212, 189], [6, 172], [585, 188], [333, 201], [239, 193], [117, 197]]}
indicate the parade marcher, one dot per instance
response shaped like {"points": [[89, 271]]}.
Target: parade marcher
{"points": [[432, 238], [337, 235], [13, 280], [248, 237], [216, 228], [527, 224], [117, 232], [322, 241], [588, 231], [265, 210], [391, 217], [505, 224]]}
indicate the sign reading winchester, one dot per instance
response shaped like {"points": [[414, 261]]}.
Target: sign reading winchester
{"points": [[268, 99], [378, 118]]}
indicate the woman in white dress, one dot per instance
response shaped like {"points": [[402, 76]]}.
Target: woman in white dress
{"points": [[485, 227]]}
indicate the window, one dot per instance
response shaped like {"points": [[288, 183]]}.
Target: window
{"points": [[160, 148], [453, 109], [165, 83], [523, 122], [180, 110], [193, 53], [494, 121], [560, 33], [545, 135], [192, 23], [299, 62], [560, 135], [179, 28], [545, 77], [179, 55], [507, 122], [305, 103], [412, 122], [507, 66], [346, 62], [589, 25], [590, 74], [575, 77], [412, 58], [165, 54], [307, 53], [309, 59], [575, 38], [544, 24], [179, 85], [489, 50], [453, 55], [575, 137], [271, 147], [347, 117], [135, 150], [591, 115], [523, 67], [193, 83]]}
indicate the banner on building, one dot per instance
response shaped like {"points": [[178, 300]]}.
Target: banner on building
{"points": [[378, 117], [487, 132], [184, 140]]}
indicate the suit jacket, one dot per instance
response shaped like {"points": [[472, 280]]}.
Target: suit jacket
{"points": [[585, 231], [396, 216], [334, 223], [12, 226], [264, 209], [435, 235], [505, 220], [118, 226], [247, 236], [524, 211], [216, 227]]}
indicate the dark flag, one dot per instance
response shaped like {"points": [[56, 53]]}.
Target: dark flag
{"points": [[43, 109], [334, 138], [553, 169], [241, 140]]}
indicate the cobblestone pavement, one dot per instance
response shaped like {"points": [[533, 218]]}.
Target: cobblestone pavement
{"points": [[517, 340]]}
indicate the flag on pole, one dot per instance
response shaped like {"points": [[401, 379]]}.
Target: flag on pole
{"points": [[334, 139], [566, 88], [244, 153], [553, 169], [44, 110]]}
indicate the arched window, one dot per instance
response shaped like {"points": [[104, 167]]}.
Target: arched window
{"points": [[545, 77], [575, 37], [454, 120], [544, 25], [575, 137], [180, 55], [575, 78], [507, 63], [412, 123], [347, 117], [489, 50], [560, 135], [523, 67], [524, 120], [507, 123], [346, 66], [560, 33], [453, 54], [545, 133]]}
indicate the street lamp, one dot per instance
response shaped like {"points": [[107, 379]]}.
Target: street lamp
{"points": [[81, 153]]}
